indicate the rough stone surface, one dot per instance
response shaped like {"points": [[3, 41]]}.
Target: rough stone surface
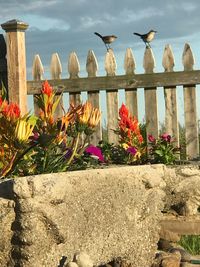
{"points": [[7, 216], [107, 213], [183, 190]]}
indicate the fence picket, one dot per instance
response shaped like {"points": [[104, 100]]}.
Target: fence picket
{"points": [[130, 94], [190, 110], [37, 72], [151, 112], [111, 99], [73, 69], [56, 70], [171, 114], [94, 97]]}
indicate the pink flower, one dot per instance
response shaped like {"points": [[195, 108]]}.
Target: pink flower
{"points": [[132, 150], [151, 138], [95, 151], [166, 137]]}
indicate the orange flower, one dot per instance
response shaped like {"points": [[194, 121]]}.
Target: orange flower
{"points": [[47, 89], [66, 119], [86, 113], [2, 153], [94, 118]]}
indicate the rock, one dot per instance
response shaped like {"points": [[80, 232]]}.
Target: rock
{"points": [[169, 235], [185, 256], [71, 264], [82, 260], [171, 260], [164, 244], [158, 258]]}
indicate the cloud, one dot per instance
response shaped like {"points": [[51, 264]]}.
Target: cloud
{"points": [[64, 26]]}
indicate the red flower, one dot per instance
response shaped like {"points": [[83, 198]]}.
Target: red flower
{"points": [[11, 111], [47, 89], [151, 138], [123, 111]]}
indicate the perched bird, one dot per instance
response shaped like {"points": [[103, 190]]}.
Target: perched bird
{"points": [[147, 37], [108, 39]]}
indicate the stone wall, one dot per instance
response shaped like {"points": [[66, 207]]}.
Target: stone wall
{"points": [[106, 213]]}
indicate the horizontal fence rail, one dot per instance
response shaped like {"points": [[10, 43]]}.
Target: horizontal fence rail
{"points": [[166, 79], [111, 83]]}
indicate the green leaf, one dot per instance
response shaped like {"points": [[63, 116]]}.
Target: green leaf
{"points": [[55, 104], [4, 93]]}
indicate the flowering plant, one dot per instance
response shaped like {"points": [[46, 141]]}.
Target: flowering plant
{"points": [[130, 137], [32, 144], [163, 149]]}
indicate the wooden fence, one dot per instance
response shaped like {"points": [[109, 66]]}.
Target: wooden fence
{"points": [[19, 88]]}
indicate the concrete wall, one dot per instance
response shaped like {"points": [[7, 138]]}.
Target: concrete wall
{"points": [[107, 213]]}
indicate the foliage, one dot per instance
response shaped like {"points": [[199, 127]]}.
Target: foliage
{"points": [[43, 144], [32, 144], [191, 243], [131, 141], [163, 149]]}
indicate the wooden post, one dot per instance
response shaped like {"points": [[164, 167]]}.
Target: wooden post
{"points": [[171, 114], [93, 97], [190, 109], [16, 62], [111, 99], [73, 69], [130, 94], [3, 63], [151, 109]]}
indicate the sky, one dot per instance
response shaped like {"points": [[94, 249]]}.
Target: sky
{"points": [[63, 26]]}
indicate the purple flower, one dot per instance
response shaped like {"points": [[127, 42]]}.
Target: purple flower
{"points": [[68, 153], [166, 137], [95, 151], [151, 138], [132, 150]]}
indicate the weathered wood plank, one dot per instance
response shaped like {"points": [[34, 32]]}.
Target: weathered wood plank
{"points": [[171, 114], [150, 95], [37, 72], [150, 80], [16, 62], [130, 94], [74, 69], [190, 109], [94, 97], [56, 70], [111, 99]]}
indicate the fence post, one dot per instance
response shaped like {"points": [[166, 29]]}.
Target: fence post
{"points": [[16, 62]]}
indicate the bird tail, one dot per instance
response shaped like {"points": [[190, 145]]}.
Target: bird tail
{"points": [[137, 34], [98, 34]]}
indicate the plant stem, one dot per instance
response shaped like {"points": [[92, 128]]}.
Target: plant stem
{"points": [[75, 149]]}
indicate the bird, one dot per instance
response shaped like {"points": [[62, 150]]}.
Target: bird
{"points": [[147, 37], [108, 39]]}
